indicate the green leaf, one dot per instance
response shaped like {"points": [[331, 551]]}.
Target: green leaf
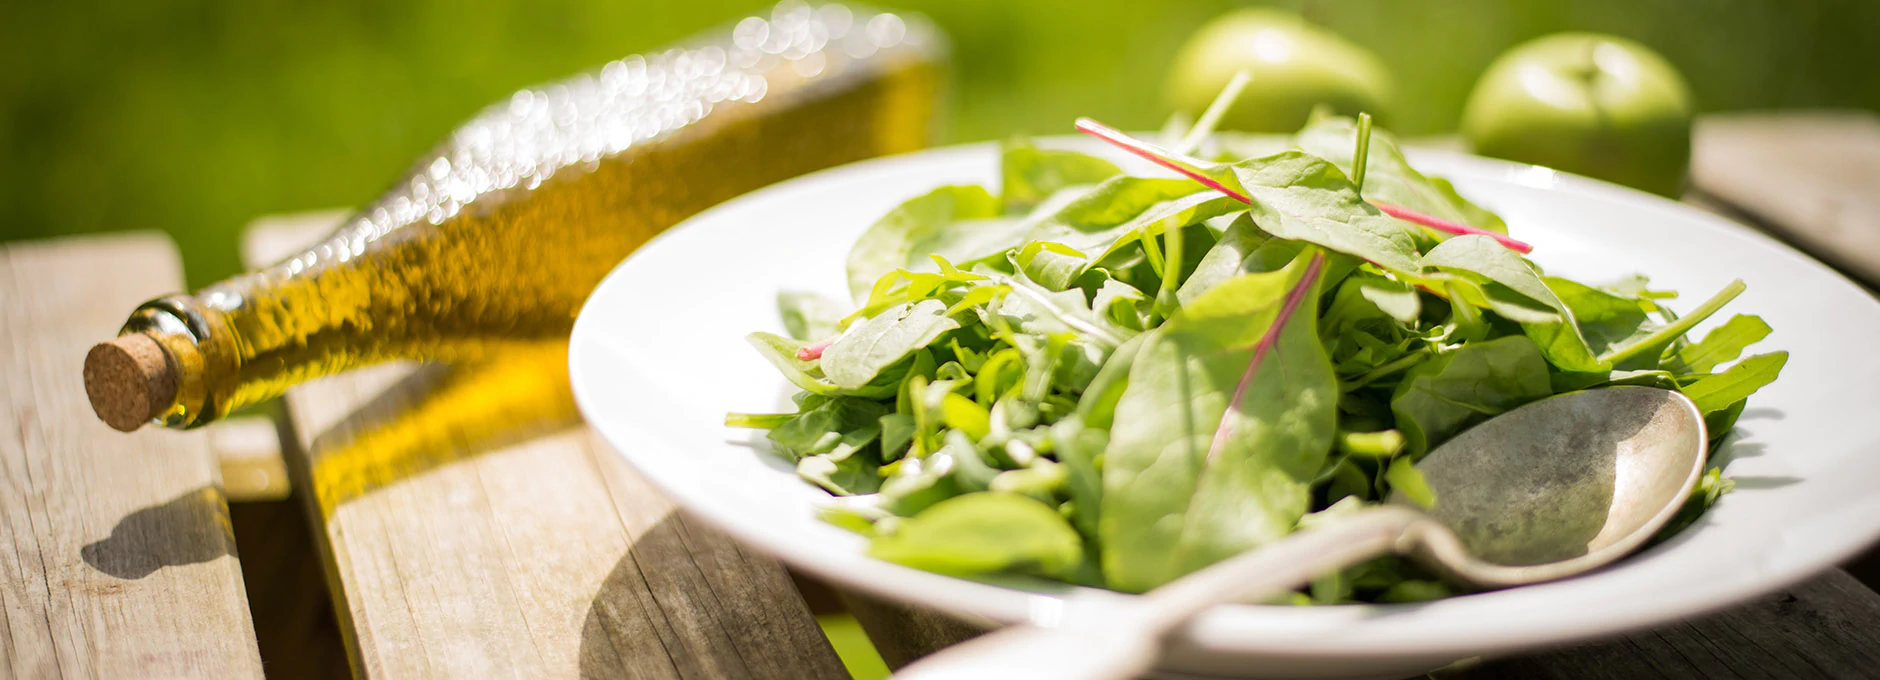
{"points": [[866, 348], [1491, 263], [1079, 451], [844, 472], [1054, 266], [1242, 249], [915, 484], [947, 221], [1722, 345], [982, 533], [846, 421], [1719, 391], [1303, 197], [1607, 321], [1443, 396], [782, 353], [1169, 507], [962, 414], [1125, 210], [1028, 175], [1388, 176]]}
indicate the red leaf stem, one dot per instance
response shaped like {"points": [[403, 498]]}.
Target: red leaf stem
{"points": [[1192, 169], [1260, 350], [813, 352]]}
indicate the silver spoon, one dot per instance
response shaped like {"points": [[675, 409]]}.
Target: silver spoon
{"points": [[1546, 491]]}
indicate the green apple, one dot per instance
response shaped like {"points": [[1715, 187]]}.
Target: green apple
{"points": [[1597, 105], [1295, 66]]}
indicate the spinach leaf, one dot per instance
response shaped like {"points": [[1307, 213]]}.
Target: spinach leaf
{"points": [[1242, 249], [808, 375], [1079, 449], [982, 533], [947, 220], [1452, 392], [1029, 174], [865, 349], [1717, 392], [1169, 506], [1302, 197], [1388, 176]]}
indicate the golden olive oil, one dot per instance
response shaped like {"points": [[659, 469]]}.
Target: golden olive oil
{"points": [[494, 240]]}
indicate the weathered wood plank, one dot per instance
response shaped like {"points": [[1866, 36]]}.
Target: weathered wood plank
{"points": [[117, 559], [1826, 628], [473, 528], [1808, 176]]}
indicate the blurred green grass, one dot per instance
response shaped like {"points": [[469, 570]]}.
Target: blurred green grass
{"points": [[195, 116]]}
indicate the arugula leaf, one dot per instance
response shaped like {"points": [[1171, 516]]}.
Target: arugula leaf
{"points": [[915, 484], [1125, 210], [947, 220], [1724, 344], [1719, 391], [1054, 266], [866, 348], [1607, 321], [1174, 500], [985, 532], [1560, 338], [1440, 398], [846, 421], [843, 472], [1028, 174]]}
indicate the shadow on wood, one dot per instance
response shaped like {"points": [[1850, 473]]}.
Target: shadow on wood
{"points": [[189, 529], [686, 601], [287, 592]]}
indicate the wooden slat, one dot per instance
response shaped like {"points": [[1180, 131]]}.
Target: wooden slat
{"points": [[1810, 177], [1826, 628], [117, 560], [473, 528]]}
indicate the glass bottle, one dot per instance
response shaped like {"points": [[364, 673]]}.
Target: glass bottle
{"points": [[494, 240]]}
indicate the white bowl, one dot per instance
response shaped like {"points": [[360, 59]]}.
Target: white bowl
{"points": [[659, 356]]}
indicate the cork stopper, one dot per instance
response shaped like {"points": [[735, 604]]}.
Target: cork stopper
{"points": [[130, 381]]}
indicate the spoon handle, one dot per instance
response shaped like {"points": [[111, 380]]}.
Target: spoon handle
{"points": [[1124, 642]]}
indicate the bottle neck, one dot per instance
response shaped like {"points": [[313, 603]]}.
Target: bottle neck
{"points": [[199, 346]]}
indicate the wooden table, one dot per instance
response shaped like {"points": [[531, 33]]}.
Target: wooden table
{"points": [[506, 541]]}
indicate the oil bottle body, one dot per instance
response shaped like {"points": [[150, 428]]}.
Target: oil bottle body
{"points": [[495, 240]]}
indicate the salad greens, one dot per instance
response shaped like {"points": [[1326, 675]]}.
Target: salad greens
{"points": [[1115, 380]]}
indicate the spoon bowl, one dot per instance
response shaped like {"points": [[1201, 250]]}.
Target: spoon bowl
{"points": [[1560, 486]]}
